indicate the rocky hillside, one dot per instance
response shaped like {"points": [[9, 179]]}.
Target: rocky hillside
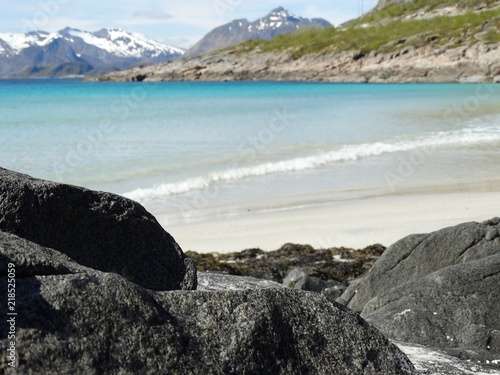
{"points": [[279, 21], [399, 41]]}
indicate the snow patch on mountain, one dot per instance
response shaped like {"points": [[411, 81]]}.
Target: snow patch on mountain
{"points": [[71, 51], [277, 18], [123, 43], [115, 41], [18, 42]]}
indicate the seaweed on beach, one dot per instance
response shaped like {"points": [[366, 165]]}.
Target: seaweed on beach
{"points": [[341, 264]]}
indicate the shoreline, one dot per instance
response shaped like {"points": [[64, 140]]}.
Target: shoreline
{"points": [[355, 223], [425, 64]]}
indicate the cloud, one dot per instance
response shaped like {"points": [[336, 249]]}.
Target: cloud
{"points": [[151, 14]]}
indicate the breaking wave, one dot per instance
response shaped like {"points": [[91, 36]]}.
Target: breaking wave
{"points": [[467, 136]]}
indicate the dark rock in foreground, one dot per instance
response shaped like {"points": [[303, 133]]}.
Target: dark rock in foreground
{"points": [[103, 231], [440, 290], [79, 320]]}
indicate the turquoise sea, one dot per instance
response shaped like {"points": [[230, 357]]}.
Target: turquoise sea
{"points": [[193, 150]]}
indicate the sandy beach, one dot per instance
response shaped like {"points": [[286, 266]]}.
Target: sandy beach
{"points": [[352, 223]]}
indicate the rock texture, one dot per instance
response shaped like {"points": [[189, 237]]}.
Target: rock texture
{"points": [[79, 320], [214, 281], [439, 290], [99, 230]]}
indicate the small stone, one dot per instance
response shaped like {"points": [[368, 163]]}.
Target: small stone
{"points": [[293, 276], [493, 221]]}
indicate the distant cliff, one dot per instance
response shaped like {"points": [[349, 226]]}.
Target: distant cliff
{"points": [[399, 41]]}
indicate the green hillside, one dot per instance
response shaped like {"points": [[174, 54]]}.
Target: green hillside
{"points": [[395, 27]]}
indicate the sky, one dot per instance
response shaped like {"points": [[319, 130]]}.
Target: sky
{"points": [[181, 23]]}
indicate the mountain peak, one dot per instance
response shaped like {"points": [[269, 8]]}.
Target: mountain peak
{"points": [[278, 21], [281, 12], [278, 10], [68, 29]]}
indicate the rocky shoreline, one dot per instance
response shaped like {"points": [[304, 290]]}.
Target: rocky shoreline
{"points": [[100, 288], [466, 64]]}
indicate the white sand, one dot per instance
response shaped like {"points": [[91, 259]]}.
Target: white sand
{"points": [[355, 223]]}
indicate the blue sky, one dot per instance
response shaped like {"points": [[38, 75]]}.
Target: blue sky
{"points": [[181, 22]]}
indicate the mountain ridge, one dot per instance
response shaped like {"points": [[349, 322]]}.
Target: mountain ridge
{"points": [[44, 54]]}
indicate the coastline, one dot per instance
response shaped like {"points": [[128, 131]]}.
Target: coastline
{"points": [[477, 63], [354, 223]]}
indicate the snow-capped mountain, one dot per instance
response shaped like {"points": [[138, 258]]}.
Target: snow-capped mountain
{"points": [[279, 21], [72, 51]]}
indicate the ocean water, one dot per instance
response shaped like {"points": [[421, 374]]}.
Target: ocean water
{"points": [[192, 151]]}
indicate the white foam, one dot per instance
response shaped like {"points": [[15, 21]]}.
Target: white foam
{"points": [[467, 136]]}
